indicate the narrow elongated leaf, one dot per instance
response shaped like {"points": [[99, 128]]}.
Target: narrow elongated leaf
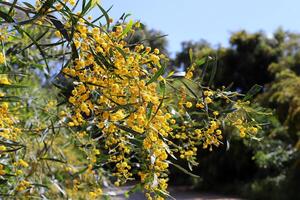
{"points": [[87, 7], [29, 5], [12, 6], [125, 128], [83, 4], [60, 27], [191, 54], [149, 110], [54, 160], [200, 62], [213, 73], [6, 17], [10, 99], [41, 51], [189, 88], [100, 17], [127, 28], [121, 52], [39, 38], [183, 170], [160, 72], [163, 91], [12, 86], [9, 19], [252, 92], [45, 7], [105, 15]]}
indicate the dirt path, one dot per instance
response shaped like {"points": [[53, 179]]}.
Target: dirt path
{"points": [[177, 193]]}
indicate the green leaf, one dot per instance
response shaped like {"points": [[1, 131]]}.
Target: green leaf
{"points": [[149, 110], [101, 60], [87, 7], [39, 38], [189, 88], [125, 128], [41, 51], [45, 7], [12, 6], [127, 28], [205, 68], [6, 17], [163, 91], [121, 52], [98, 18], [252, 92], [200, 62], [60, 27], [10, 99], [9, 19], [83, 5], [164, 194], [12, 86], [138, 187], [105, 15], [160, 72], [40, 185], [191, 54], [29, 5], [54, 160], [213, 73], [183, 170]]}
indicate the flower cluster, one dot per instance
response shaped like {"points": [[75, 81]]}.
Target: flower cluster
{"points": [[12, 166], [120, 108], [113, 92]]}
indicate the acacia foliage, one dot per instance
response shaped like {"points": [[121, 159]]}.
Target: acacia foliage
{"points": [[115, 115]]}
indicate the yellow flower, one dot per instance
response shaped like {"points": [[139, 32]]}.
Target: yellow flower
{"points": [[208, 93], [208, 100], [189, 75], [242, 134], [72, 100], [253, 130], [2, 148], [57, 34], [2, 172], [4, 80], [218, 132], [216, 113], [96, 151], [2, 58], [23, 163], [173, 121], [94, 2], [72, 2], [19, 172], [59, 6], [199, 105], [188, 104]]}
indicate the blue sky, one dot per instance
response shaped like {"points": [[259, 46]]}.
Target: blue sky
{"points": [[212, 20]]}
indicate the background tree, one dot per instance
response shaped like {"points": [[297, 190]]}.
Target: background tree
{"points": [[272, 62]]}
